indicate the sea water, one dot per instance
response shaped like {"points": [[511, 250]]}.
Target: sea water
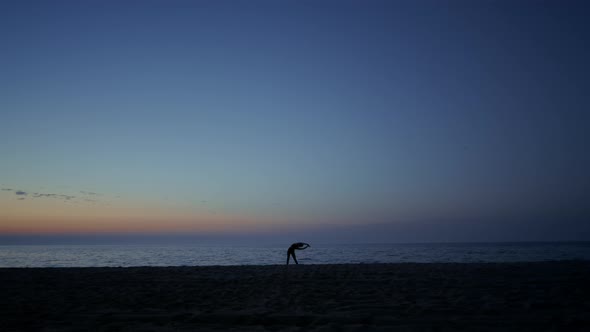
{"points": [[191, 255]]}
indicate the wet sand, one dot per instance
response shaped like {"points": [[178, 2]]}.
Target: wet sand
{"points": [[364, 297]]}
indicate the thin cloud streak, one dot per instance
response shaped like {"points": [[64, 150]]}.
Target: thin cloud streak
{"points": [[87, 196]]}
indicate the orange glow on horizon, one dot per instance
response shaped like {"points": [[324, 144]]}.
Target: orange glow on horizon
{"points": [[49, 217], [210, 224], [44, 216]]}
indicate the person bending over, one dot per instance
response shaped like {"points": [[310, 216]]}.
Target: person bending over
{"points": [[293, 247]]}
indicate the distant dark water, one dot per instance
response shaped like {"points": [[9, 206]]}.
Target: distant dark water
{"points": [[143, 255]]}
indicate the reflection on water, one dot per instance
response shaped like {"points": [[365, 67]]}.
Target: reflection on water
{"points": [[134, 255]]}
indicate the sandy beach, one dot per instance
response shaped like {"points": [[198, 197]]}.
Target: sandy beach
{"points": [[359, 297]]}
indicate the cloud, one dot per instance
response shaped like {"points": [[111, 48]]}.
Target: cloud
{"points": [[87, 196], [90, 193], [52, 195], [44, 195]]}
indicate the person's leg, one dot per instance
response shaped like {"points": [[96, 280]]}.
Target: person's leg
{"points": [[288, 257], [295, 258]]}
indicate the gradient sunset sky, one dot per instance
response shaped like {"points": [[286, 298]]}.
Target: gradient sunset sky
{"points": [[362, 121]]}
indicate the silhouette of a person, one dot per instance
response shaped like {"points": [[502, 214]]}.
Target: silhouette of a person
{"points": [[293, 247]]}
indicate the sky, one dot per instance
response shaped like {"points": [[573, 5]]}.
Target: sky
{"points": [[350, 121]]}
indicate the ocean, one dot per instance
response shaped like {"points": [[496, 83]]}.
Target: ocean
{"points": [[190, 255]]}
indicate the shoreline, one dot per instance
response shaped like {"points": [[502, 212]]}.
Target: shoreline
{"points": [[324, 297], [557, 261]]}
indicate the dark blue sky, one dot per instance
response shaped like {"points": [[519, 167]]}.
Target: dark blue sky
{"points": [[401, 120]]}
